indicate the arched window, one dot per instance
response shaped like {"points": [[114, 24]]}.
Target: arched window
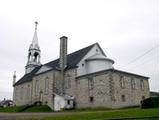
{"points": [[28, 92], [122, 82], [29, 56], [90, 83], [36, 87], [142, 84], [21, 93], [35, 56], [132, 83], [68, 81], [47, 85]]}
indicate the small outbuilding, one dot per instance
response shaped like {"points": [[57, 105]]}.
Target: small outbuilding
{"points": [[63, 102]]}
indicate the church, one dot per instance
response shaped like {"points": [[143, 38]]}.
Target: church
{"points": [[83, 79]]}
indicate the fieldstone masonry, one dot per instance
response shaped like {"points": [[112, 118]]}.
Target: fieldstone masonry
{"points": [[86, 77]]}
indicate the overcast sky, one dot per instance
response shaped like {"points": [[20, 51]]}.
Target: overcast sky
{"points": [[125, 29]]}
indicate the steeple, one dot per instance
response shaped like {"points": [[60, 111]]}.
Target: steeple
{"points": [[33, 53], [34, 44], [14, 78]]}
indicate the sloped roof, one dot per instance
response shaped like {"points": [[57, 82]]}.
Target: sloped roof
{"points": [[27, 77], [72, 60], [111, 70], [98, 56]]}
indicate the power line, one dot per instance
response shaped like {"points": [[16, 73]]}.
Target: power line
{"points": [[150, 60], [155, 67], [137, 58]]}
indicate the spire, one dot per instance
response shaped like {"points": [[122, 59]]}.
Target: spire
{"points": [[36, 23], [33, 53], [35, 44], [14, 78]]}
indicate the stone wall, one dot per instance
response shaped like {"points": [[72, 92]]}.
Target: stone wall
{"points": [[128, 90], [111, 89], [43, 88], [39, 89], [22, 94], [93, 91]]}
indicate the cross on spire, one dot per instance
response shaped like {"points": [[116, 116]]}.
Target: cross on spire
{"points": [[36, 23]]}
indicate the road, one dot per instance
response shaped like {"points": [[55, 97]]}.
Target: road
{"points": [[15, 116]]}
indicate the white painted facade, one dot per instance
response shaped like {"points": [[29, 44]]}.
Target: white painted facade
{"points": [[98, 65], [94, 61], [61, 102]]}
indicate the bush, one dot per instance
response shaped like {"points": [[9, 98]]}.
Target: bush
{"points": [[37, 108], [152, 102]]}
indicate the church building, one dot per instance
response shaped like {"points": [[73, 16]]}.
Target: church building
{"points": [[82, 79]]}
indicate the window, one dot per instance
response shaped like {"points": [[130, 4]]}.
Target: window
{"points": [[142, 84], [68, 102], [21, 93], [122, 82], [46, 85], [82, 64], [91, 99], [68, 81], [28, 91], [36, 87], [132, 83], [90, 83], [123, 98], [96, 50], [143, 97]]}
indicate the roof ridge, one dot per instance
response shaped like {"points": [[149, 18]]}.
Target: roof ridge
{"points": [[84, 48], [73, 52], [72, 61]]}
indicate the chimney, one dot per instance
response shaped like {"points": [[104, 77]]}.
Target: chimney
{"points": [[63, 53], [63, 61]]}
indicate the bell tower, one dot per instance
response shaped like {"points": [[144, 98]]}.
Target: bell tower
{"points": [[33, 53]]}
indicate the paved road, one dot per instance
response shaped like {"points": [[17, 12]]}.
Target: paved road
{"points": [[16, 116]]}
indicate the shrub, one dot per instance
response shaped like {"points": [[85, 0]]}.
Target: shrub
{"points": [[152, 102]]}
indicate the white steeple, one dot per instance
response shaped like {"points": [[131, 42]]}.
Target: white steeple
{"points": [[34, 53], [34, 44]]}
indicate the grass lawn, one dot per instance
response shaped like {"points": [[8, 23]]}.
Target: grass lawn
{"points": [[12, 109], [42, 108], [145, 114]]}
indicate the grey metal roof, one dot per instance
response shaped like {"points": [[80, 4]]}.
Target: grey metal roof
{"points": [[27, 77], [110, 70], [72, 60]]}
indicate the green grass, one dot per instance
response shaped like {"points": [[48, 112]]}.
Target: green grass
{"points": [[43, 108], [92, 114], [12, 109], [148, 114]]}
